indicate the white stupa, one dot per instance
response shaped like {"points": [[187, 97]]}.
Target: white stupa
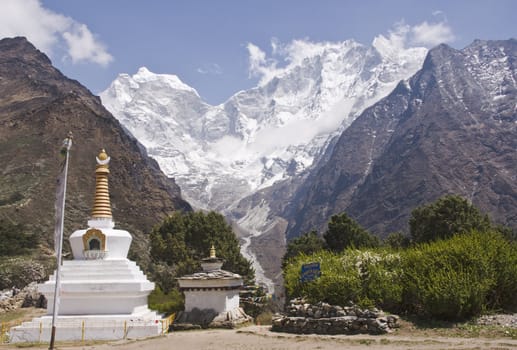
{"points": [[103, 294], [211, 296]]}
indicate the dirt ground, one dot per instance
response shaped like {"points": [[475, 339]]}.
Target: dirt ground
{"points": [[260, 338]]}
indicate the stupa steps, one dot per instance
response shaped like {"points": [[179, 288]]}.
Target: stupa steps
{"points": [[120, 271], [115, 287], [84, 270], [100, 262], [95, 277]]}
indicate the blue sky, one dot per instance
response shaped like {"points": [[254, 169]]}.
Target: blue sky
{"points": [[212, 45]]}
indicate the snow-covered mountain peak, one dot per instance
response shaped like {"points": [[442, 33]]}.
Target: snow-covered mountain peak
{"points": [[144, 75], [220, 154], [291, 57]]}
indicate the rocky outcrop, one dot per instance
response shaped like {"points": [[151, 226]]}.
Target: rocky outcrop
{"points": [[12, 299], [450, 129], [322, 318]]}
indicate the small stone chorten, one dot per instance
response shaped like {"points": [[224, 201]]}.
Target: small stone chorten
{"points": [[211, 297], [103, 294]]}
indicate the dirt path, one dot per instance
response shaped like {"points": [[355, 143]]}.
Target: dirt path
{"points": [[260, 338]]}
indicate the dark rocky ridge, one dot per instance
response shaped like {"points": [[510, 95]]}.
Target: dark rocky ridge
{"points": [[451, 129], [38, 106]]}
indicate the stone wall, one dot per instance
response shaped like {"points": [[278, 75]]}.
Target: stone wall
{"points": [[322, 318]]}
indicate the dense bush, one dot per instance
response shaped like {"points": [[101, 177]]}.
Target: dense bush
{"points": [[450, 279], [461, 277], [363, 277]]}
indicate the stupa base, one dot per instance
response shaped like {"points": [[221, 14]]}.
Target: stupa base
{"points": [[90, 327]]}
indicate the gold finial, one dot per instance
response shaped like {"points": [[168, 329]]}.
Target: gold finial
{"points": [[102, 205], [212, 252], [103, 155]]}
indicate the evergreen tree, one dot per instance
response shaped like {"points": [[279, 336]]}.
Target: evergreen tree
{"points": [[397, 240], [183, 239], [444, 218], [307, 243], [344, 232]]}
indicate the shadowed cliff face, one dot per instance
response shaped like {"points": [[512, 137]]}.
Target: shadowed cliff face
{"points": [[452, 128], [38, 107]]}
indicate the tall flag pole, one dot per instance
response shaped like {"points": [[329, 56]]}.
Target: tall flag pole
{"points": [[58, 230]]}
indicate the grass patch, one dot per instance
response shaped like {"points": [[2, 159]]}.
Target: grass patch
{"points": [[166, 303], [433, 328], [20, 315], [264, 318]]}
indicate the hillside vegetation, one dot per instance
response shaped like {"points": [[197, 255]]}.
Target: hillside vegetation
{"points": [[467, 267]]}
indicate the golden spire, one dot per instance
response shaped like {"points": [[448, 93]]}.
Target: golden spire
{"points": [[212, 252], [102, 205]]}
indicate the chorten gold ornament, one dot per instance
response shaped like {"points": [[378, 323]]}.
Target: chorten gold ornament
{"points": [[102, 205], [212, 252]]}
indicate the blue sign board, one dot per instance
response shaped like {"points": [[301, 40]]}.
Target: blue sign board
{"points": [[310, 272]]}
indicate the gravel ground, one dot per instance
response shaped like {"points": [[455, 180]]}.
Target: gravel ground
{"points": [[505, 320], [261, 338]]}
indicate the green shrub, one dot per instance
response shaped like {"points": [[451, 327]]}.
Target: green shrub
{"points": [[451, 279], [460, 277], [165, 303], [504, 259], [363, 277]]}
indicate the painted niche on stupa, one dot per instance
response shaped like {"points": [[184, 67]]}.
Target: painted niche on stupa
{"points": [[94, 243]]}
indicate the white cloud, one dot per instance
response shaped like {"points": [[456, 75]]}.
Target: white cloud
{"points": [[284, 57], [401, 40], [82, 46], [300, 131], [431, 34], [259, 66], [210, 68], [48, 30]]}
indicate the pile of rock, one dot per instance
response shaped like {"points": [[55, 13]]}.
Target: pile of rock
{"points": [[505, 320], [208, 318], [12, 299], [323, 318]]}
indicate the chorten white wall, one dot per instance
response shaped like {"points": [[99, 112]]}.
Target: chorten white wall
{"points": [[219, 301], [103, 295]]}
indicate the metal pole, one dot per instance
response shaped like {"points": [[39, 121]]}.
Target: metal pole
{"points": [[57, 287]]}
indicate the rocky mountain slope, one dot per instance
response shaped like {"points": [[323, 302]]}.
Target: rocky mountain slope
{"points": [[451, 128], [220, 154], [229, 157], [38, 107]]}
